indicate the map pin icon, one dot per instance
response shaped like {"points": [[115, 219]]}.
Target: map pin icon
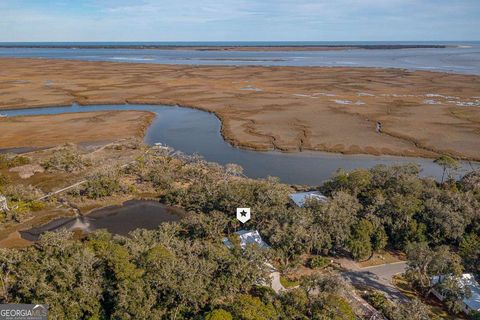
{"points": [[243, 214]]}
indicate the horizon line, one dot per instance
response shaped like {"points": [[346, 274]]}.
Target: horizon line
{"points": [[219, 41]]}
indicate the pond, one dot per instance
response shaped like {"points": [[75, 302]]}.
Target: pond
{"points": [[195, 131], [131, 215]]}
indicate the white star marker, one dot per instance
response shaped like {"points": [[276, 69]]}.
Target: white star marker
{"points": [[243, 214]]}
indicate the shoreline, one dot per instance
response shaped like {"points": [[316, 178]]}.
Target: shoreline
{"points": [[233, 143], [339, 67], [233, 66], [234, 47], [240, 118]]}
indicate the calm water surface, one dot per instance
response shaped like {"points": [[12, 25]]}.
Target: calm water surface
{"points": [[462, 57], [196, 131], [121, 220]]}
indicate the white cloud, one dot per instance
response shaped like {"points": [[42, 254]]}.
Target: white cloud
{"points": [[103, 20]]}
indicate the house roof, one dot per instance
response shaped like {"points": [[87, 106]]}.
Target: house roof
{"points": [[247, 237], [300, 198], [468, 280]]}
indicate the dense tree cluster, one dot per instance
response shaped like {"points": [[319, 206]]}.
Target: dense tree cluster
{"points": [[182, 270], [402, 208], [102, 184], [159, 274], [367, 210], [436, 224], [67, 159]]}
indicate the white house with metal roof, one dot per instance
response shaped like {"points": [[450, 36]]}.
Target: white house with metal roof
{"points": [[253, 237], [300, 198], [469, 304], [247, 237]]}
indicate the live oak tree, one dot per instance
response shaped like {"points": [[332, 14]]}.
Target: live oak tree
{"points": [[337, 217], [66, 159], [414, 309], [62, 272], [247, 307], [219, 314], [153, 274], [425, 263], [469, 250], [360, 244]]}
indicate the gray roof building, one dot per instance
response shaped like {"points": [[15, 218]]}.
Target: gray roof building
{"points": [[300, 198], [247, 237], [471, 303]]}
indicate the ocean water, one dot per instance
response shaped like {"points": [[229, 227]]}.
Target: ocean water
{"points": [[457, 57]]}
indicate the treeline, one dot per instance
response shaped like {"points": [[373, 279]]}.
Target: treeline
{"points": [[368, 210], [402, 208], [183, 270], [436, 224]]}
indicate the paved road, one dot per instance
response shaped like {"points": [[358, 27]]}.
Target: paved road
{"points": [[378, 278]]}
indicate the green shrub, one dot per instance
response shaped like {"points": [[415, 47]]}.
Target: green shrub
{"points": [[337, 308], [20, 192], [67, 160], [287, 283], [474, 315], [103, 184], [381, 303], [4, 180], [36, 205], [318, 262], [21, 201], [20, 210], [219, 314], [251, 308], [8, 160]]}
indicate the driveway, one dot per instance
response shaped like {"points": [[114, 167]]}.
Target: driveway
{"points": [[276, 284], [378, 278]]}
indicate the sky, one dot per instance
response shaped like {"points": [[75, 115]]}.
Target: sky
{"points": [[239, 20]]}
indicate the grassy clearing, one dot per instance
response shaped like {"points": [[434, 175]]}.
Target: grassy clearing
{"points": [[288, 283], [382, 258]]}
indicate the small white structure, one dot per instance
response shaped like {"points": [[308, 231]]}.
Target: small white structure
{"points": [[253, 237], [3, 115], [469, 304], [158, 146], [3, 204], [247, 237], [300, 198]]}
